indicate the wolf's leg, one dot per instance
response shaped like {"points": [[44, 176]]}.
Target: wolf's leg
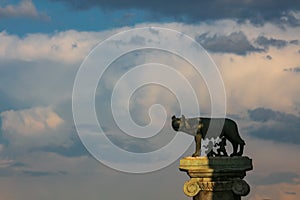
{"points": [[241, 150], [235, 148]]}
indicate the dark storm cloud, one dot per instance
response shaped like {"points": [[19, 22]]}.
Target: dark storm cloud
{"points": [[292, 69], [265, 114], [289, 18], [18, 164], [236, 43], [290, 193], [267, 42], [196, 11], [269, 57], [295, 42], [275, 125]]}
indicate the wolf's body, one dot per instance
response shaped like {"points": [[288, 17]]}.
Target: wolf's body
{"points": [[201, 126]]}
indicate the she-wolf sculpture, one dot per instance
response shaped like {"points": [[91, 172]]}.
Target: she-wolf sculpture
{"points": [[199, 127]]}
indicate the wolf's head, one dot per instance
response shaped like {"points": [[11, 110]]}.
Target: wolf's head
{"points": [[176, 123], [188, 125]]}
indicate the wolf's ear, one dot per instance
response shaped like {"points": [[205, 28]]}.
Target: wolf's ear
{"points": [[182, 116], [173, 117]]}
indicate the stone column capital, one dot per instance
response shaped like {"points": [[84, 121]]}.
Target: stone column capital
{"points": [[221, 176]]}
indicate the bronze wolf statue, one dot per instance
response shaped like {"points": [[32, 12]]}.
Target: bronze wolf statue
{"points": [[199, 127]]}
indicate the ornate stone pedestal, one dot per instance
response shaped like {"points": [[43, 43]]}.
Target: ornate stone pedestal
{"points": [[216, 178]]}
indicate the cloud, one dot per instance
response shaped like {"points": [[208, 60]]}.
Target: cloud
{"points": [[275, 125], [236, 43], [295, 42], [291, 193], [47, 57], [42, 173], [276, 178], [291, 18], [55, 160], [51, 86], [196, 11], [141, 100], [33, 128], [268, 57], [84, 176], [63, 47], [281, 191], [75, 149], [31, 121], [25, 9], [6, 163], [268, 42], [264, 115], [275, 170], [295, 69], [270, 83], [11, 167]]}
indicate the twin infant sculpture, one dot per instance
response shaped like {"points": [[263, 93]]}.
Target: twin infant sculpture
{"points": [[200, 126]]}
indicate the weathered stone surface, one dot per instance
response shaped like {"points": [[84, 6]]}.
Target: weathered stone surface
{"points": [[216, 178]]}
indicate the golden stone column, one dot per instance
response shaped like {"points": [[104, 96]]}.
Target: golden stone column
{"points": [[216, 178]]}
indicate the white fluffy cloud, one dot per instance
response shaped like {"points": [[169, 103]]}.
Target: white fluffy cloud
{"points": [[255, 81], [64, 47], [31, 121], [25, 8], [35, 127], [251, 81]]}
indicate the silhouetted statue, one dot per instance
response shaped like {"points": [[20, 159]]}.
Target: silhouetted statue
{"points": [[221, 151], [199, 126], [210, 150]]}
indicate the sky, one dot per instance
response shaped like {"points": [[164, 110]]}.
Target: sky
{"points": [[253, 51]]}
